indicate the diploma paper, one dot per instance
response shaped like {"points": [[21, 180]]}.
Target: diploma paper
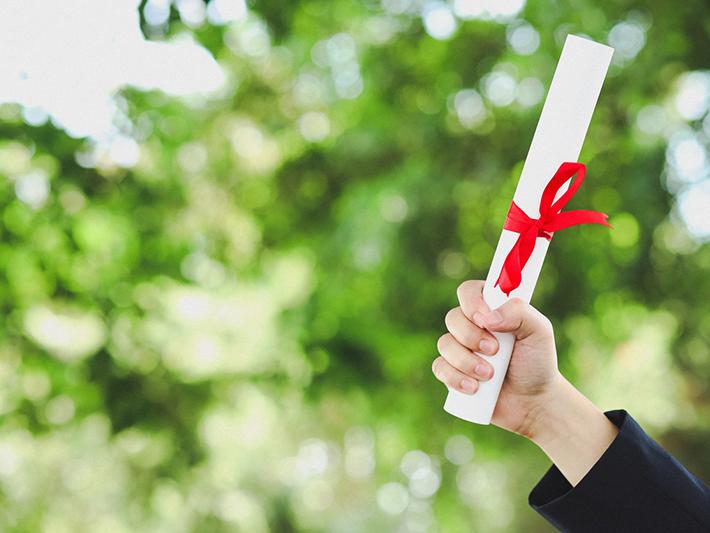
{"points": [[558, 138]]}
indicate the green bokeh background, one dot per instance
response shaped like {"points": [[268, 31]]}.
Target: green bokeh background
{"points": [[236, 333]]}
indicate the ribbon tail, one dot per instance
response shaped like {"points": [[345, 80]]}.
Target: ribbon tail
{"points": [[567, 219], [512, 271]]}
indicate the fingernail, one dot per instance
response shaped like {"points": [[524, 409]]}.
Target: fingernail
{"points": [[493, 318], [468, 386], [482, 370], [487, 346]]}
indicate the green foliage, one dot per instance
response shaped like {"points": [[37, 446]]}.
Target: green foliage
{"points": [[236, 333]]}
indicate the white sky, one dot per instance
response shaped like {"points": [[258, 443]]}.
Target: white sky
{"points": [[68, 57], [65, 59]]}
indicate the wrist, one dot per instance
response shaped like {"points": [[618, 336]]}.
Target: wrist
{"points": [[570, 429], [540, 421]]}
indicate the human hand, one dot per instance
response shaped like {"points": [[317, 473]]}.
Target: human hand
{"points": [[536, 401], [532, 375]]}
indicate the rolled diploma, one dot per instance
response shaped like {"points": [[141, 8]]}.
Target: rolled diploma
{"points": [[558, 138]]}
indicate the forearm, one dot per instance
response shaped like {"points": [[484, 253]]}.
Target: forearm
{"points": [[570, 429]]}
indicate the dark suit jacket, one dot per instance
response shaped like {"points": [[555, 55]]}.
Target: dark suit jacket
{"points": [[636, 486]]}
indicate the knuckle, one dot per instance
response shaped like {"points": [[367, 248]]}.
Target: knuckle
{"points": [[516, 303], [461, 289], [443, 342], [468, 288], [436, 366], [451, 316], [545, 324]]}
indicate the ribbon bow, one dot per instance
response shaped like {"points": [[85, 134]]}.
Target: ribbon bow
{"points": [[550, 221]]}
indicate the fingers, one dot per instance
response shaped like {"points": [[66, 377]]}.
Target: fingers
{"points": [[468, 334], [517, 317], [462, 359], [452, 378], [470, 295]]}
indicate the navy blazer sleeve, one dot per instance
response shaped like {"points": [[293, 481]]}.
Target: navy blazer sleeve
{"points": [[636, 486]]}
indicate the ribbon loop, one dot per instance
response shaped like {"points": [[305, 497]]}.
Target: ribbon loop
{"points": [[550, 221]]}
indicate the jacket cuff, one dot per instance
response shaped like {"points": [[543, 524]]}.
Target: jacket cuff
{"points": [[549, 492], [634, 482]]}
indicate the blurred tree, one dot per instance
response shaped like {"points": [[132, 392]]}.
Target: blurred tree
{"points": [[234, 331]]}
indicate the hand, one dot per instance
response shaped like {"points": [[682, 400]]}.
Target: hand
{"points": [[532, 372], [536, 401]]}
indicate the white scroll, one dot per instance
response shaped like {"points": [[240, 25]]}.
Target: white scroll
{"points": [[558, 138]]}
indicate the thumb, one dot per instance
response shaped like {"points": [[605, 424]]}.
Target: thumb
{"points": [[517, 317]]}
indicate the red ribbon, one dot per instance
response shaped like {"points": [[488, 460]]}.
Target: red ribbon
{"points": [[550, 221]]}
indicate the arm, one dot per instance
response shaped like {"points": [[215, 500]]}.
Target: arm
{"points": [[571, 430], [536, 401], [607, 474]]}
